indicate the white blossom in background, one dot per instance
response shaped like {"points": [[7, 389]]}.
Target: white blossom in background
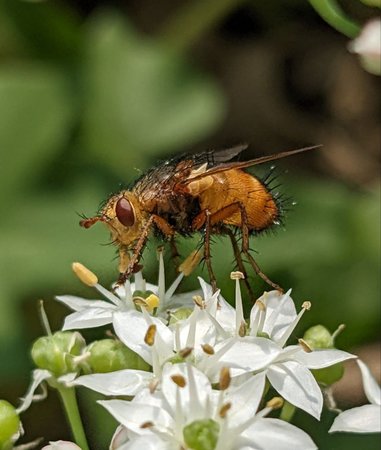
{"points": [[366, 418], [368, 46], [186, 407]]}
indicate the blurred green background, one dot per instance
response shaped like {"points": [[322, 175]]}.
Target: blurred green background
{"points": [[93, 92]]}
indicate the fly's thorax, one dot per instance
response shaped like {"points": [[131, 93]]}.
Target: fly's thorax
{"points": [[125, 218]]}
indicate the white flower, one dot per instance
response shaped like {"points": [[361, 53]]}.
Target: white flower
{"points": [[193, 339], [95, 313], [368, 46], [366, 418], [274, 316], [187, 407]]}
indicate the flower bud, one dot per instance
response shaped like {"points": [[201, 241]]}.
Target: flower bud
{"points": [[108, 355], [179, 314], [9, 424], [201, 434], [61, 445], [318, 337], [56, 353]]}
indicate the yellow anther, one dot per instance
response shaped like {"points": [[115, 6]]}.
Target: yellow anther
{"points": [[84, 274]]}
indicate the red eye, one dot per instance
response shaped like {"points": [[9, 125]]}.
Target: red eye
{"points": [[124, 212]]}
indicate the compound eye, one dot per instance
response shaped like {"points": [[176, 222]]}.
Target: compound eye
{"points": [[124, 212]]}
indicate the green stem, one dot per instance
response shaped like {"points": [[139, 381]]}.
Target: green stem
{"points": [[287, 412], [332, 13], [69, 401], [192, 20]]}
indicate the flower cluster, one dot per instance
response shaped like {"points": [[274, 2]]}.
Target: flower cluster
{"points": [[197, 374]]}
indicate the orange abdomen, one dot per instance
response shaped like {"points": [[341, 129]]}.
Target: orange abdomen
{"points": [[236, 186]]}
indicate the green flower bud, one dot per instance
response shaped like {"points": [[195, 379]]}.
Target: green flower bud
{"points": [[318, 337], [329, 375], [56, 353], [108, 355], [9, 424], [180, 314], [201, 434]]}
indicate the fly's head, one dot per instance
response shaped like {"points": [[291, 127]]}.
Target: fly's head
{"points": [[123, 216]]}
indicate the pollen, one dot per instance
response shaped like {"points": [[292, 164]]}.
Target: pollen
{"points": [[224, 409], [84, 274], [275, 403], [305, 345], [149, 338], [208, 349], [179, 380], [225, 378], [185, 352], [307, 305], [236, 276]]}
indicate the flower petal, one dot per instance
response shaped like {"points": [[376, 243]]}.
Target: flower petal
{"points": [[133, 415], [39, 375], [149, 443], [131, 328], [318, 359], [296, 384], [245, 399], [280, 312], [270, 434], [120, 382], [248, 353], [79, 303], [371, 388], [88, 318], [363, 419]]}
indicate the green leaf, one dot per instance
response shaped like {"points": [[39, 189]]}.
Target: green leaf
{"points": [[141, 98], [37, 111]]}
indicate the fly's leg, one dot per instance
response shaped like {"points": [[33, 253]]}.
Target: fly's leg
{"points": [[246, 252], [133, 264], [207, 256], [238, 258], [204, 217]]}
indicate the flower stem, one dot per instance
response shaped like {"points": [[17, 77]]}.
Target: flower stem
{"points": [[287, 412], [192, 20], [331, 12], [69, 401]]}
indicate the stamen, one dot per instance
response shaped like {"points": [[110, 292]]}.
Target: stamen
{"points": [[198, 301], [147, 425], [161, 281], [238, 300], [339, 329], [172, 288], [140, 283], [84, 274], [225, 378], [275, 403], [179, 380], [191, 262], [44, 319], [152, 386], [149, 338], [90, 279], [224, 409], [194, 400], [152, 302], [305, 345], [185, 352], [242, 329], [208, 349], [191, 339], [283, 339]]}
